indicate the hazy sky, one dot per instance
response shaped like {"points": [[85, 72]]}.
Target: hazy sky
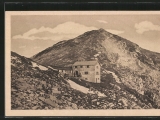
{"points": [[32, 34]]}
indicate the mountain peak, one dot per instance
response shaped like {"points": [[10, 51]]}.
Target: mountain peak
{"points": [[102, 30]]}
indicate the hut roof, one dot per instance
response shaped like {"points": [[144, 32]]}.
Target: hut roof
{"points": [[85, 63]]}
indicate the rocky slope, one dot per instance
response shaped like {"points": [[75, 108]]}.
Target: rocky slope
{"points": [[136, 68], [35, 87], [112, 47]]}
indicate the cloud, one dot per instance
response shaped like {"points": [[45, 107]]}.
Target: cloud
{"points": [[102, 21], [23, 46], [117, 32], [62, 31], [65, 30], [146, 26]]}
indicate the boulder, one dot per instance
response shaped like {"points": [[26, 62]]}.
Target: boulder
{"points": [[74, 106], [111, 105], [123, 101], [53, 98], [55, 91], [81, 107], [98, 103]]}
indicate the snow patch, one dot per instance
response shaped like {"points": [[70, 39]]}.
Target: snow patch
{"points": [[39, 66], [83, 89], [13, 57], [96, 55], [52, 68], [16, 59], [13, 64]]}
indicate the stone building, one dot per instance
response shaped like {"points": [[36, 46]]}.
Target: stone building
{"points": [[64, 70], [87, 70]]}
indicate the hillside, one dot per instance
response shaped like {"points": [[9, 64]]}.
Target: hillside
{"points": [[136, 68], [85, 46], [35, 87]]}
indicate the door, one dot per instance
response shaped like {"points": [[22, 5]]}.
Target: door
{"points": [[76, 73]]}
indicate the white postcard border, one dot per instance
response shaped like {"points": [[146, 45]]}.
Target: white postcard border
{"points": [[9, 112]]}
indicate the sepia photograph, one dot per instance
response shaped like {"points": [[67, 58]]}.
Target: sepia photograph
{"points": [[82, 63]]}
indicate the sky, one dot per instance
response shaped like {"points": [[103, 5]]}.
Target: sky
{"points": [[31, 34]]}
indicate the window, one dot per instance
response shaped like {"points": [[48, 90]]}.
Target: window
{"points": [[85, 72], [75, 66], [87, 66], [85, 78], [97, 66], [97, 73], [81, 66]]}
